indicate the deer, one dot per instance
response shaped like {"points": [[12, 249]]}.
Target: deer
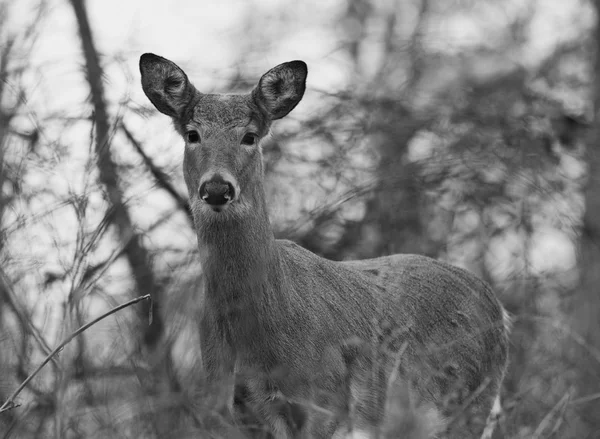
{"points": [[302, 335]]}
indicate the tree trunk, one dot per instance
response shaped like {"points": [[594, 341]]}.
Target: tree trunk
{"points": [[393, 222], [137, 255]]}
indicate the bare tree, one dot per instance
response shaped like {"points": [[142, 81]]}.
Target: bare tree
{"points": [[137, 255]]}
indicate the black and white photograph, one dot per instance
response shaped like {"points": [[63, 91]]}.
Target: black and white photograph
{"points": [[300, 219]]}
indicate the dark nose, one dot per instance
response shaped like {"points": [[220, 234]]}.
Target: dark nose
{"points": [[217, 191]]}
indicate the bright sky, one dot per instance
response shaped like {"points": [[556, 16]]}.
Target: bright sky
{"points": [[209, 37]]}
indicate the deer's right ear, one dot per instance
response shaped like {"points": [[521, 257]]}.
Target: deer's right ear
{"points": [[165, 84]]}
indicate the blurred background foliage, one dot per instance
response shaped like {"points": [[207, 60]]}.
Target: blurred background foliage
{"points": [[464, 130]]}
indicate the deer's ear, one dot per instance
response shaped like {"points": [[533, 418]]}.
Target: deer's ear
{"points": [[165, 84], [281, 88]]}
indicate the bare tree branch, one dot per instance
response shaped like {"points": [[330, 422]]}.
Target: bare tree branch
{"points": [[161, 178], [24, 320], [10, 402]]}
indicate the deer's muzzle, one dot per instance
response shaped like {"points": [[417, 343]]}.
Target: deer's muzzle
{"points": [[217, 192]]}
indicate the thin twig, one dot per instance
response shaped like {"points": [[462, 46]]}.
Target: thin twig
{"points": [[21, 314], [559, 407], [575, 336], [585, 399], [396, 370], [10, 404], [484, 385]]}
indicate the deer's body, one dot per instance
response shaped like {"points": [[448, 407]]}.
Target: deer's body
{"points": [[283, 318]]}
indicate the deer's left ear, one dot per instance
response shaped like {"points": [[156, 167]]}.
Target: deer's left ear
{"points": [[165, 84], [281, 88]]}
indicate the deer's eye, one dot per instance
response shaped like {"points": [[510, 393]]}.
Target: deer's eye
{"points": [[192, 136], [249, 139]]}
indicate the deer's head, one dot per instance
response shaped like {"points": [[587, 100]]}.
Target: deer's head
{"points": [[222, 133]]}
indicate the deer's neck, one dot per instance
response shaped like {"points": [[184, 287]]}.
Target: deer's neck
{"points": [[239, 261]]}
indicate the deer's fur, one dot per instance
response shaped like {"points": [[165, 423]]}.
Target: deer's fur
{"points": [[282, 317]]}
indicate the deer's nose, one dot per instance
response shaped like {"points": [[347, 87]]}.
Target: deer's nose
{"points": [[217, 191]]}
